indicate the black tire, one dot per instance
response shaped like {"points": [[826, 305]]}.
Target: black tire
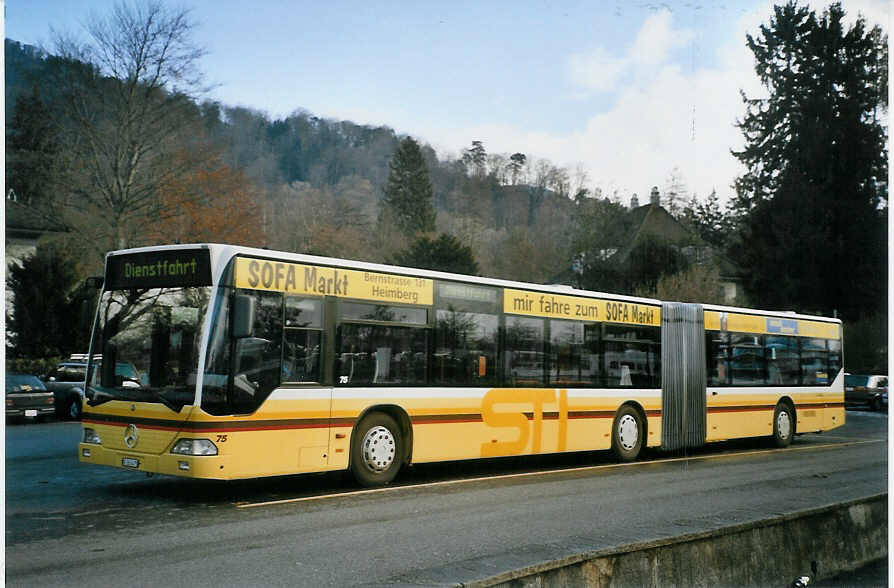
{"points": [[627, 434], [783, 425], [377, 450], [74, 408], [875, 404]]}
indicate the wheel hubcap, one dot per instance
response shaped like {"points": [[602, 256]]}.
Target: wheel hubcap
{"points": [[378, 449], [783, 424], [628, 432]]}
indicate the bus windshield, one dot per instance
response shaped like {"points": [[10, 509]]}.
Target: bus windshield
{"points": [[155, 334]]}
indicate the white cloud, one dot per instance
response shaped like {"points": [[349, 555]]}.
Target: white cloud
{"points": [[599, 70], [596, 70], [662, 116], [679, 120], [657, 38], [667, 118]]}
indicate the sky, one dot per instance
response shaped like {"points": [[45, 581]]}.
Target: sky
{"points": [[629, 92]]}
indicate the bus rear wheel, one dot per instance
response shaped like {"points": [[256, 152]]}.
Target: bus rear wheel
{"points": [[627, 434], [783, 425], [377, 450]]}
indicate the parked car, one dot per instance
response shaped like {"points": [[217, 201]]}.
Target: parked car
{"points": [[66, 382], [26, 396], [863, 390]]}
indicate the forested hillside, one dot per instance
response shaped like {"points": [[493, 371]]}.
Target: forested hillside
{"points": [[309, 184]]}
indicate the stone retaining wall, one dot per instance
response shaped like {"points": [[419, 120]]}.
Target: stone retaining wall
{"points": [[770, 552]]}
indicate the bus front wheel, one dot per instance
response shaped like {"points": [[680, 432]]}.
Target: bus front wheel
{"points": [[376, 450], [783, 425], [627, 434]]}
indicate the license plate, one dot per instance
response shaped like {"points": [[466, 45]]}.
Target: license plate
{"points": [[130, 462], [30, 413]]}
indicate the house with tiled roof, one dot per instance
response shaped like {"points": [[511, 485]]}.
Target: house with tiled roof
{"points": [[653, 221], [24, 229]]}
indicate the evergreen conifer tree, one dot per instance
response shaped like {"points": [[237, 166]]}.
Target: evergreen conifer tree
{"points": [[446, 254], [409, 198], [31, 151], [44, 321], [812, 202]]}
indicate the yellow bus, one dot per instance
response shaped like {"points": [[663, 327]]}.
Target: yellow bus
{"points": [[248, 362]]}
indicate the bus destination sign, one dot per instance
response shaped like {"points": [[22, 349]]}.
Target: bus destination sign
{"points": [[159, 269]]}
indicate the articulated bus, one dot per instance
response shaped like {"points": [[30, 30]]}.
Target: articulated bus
{"points": [[248, 362]]}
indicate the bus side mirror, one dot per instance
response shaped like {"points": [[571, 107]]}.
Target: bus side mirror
{"points": [[95, 282], [243, 316]]}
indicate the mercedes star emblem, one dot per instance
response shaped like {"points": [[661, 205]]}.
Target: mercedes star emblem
{"points": [[131, 436]]}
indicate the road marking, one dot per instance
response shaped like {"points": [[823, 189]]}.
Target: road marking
{"points": [[547, 473]]}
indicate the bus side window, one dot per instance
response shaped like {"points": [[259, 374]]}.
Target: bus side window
{"points": [[633, 356], [814, 362], [525, 356], [781, 353], [717, 350], [302, 340], [568, 367], [382, 355], [466, 335], [465, 351], [381, 345], [834, 358], [748, 367]]}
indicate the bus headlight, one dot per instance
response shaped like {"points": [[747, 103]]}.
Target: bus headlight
{"points": [[90, 436], [194, 447]]}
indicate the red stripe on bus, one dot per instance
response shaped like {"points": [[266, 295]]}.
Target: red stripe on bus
{"points": [[547, 416], [213, 427], [751, 408]]}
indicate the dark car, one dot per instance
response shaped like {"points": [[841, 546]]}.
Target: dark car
{"points": [[67, 379], [863, 390], [26, 396], [66, 382]]}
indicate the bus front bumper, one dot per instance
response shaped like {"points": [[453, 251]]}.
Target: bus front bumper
{"points": [[204, 466]]}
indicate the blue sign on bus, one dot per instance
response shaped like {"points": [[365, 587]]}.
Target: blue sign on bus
{"points": [[782, 326]]}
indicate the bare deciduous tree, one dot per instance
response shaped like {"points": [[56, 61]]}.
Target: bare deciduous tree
{"points": [[125, 102]]}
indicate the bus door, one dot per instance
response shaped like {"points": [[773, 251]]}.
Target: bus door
{"points": [[307, 341], [279, 378], [683, 377]]}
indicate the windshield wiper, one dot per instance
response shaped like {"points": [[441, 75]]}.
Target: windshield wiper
{"points": [[175, 406], [99, 397]]}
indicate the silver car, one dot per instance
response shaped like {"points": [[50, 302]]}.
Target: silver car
{"points": [[869, 390]]}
